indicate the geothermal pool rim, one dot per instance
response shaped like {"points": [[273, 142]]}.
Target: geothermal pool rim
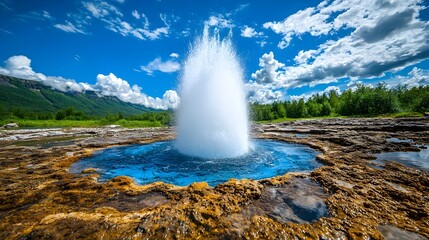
{"points": [[160, 161]]}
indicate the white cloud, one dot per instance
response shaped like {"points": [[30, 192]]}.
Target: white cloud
{"points": [[171, 99], [36, 15], [416, 77], [219, 21], [332, 88], [304, 21], [136, 14], [4, 6], [248, 32], [156, 33], [20, 66], [139, 16], [6, 31], [158, 65], [268, 73], [69, 27], [174, 55], [353, 84], [306, 96], [384, 36], [106, 85], [111, 17], [304, 56], [47, 15], [110, 85], [265, 86], [262, 93], [126, 29], [145, 21], [262, 43], [100, 9]]}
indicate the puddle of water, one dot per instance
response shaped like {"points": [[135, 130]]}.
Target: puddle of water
{"points": [[298, 135], [56, 144], [419, 160], [397, 187], [300, 201], [390, 232], [397, 140]]}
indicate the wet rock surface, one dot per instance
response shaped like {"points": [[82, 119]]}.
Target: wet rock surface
{"points": [[300, 200], [347, 198]]}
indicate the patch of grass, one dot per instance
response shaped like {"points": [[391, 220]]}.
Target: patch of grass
{"points": [[401, 115], [389, 115], [137, 124], [23, 123]]}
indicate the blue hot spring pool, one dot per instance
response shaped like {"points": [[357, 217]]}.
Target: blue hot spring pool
{"points": [[160, 161]]}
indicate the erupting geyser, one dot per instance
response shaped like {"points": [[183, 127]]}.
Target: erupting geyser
{"points": [[212, 117]]}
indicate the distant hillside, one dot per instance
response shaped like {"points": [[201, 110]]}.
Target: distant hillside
{"points": [[32, 96]]}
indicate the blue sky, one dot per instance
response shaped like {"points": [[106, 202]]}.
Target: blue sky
{"points": [[135, 49]]}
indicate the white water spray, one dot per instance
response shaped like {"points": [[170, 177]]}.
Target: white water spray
{"points": [[212, 117]]}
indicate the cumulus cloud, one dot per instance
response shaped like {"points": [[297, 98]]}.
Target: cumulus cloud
{"points": [[110, 85], [269, 69], [106, 85], [384, 36], [306, 96], [416, 77], [158, 65], [262, 93], [20, 66], [249, 32], [332, 88], [315, 24], [174, 55], [264, 88]]}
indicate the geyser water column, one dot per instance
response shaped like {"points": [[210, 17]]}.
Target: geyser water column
{"points": [[212, 115]]}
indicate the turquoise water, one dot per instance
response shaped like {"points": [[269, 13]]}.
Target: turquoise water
{"points": [[160, 161], [418, 160]]}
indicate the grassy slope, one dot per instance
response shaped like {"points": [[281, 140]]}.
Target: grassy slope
{"points": [[23, 123], [34, 97], [16, 95]]}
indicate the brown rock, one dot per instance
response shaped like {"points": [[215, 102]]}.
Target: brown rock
{"points": [[40, 199], [89, 170]]}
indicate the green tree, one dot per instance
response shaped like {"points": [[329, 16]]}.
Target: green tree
{"points": [[279, 109], [326, 109], [70, 113]]}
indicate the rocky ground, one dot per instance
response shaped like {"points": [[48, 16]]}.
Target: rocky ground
{"points": [[40, 199]]}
